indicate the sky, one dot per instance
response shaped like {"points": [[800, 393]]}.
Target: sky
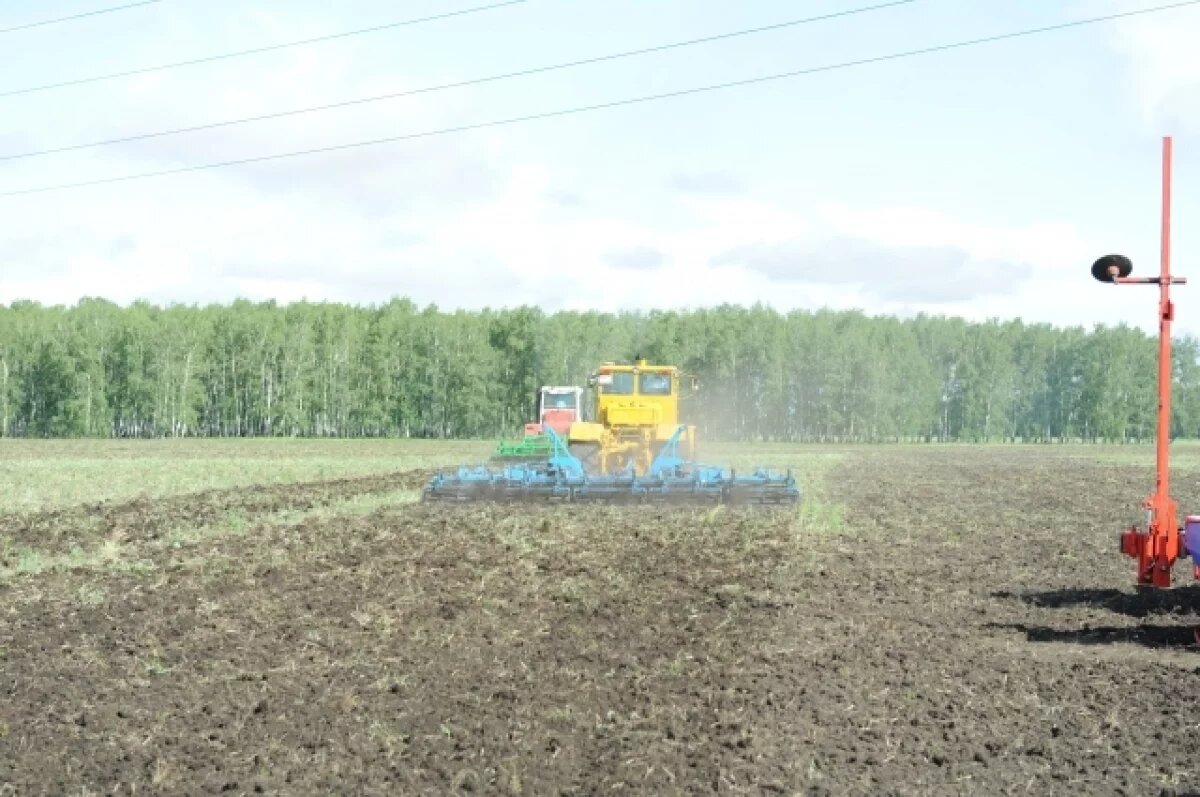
{"points": [[978, 182]]}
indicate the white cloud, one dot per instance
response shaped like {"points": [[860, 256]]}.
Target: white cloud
{"points": [[891, 273], [707, 183], [1041, 245], [1159, 53], [635, 258], [517, 246], [479, 220]]}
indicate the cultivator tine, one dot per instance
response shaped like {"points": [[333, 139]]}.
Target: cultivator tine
{"points": [[548, 484], [669, 480], [763, 487]]}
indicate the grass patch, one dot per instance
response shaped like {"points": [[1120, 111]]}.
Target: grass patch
{"points": [[237, 523], [818, 514], [819, 509], [46, 474], [110, 555], [113, 555]]}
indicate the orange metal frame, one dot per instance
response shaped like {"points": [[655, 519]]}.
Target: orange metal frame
{"points": [[1157, 548]]}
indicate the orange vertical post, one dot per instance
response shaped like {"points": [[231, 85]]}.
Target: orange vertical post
{"points": [[1164, 521], [1165, 313], [1156, 548]]}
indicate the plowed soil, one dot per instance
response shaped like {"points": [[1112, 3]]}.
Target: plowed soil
{"points": [[970, 631], [61, 530]]}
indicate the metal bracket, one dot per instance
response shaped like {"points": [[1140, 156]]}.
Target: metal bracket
{"points": [[561, 456]]}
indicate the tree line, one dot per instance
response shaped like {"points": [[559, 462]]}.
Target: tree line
{"points": [[96, 369]]}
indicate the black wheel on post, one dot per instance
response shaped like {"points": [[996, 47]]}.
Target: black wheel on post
{"points": [[1123, 265]]}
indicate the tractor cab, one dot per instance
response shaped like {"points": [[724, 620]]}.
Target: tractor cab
{"points": [[639, 394], [634, 412], [558, 408]]}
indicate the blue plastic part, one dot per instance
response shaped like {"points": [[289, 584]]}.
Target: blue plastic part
{"points": [[668, 458], [561, 456], [1191, 539], [669, 479]]}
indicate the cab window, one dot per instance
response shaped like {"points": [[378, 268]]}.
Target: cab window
{"points": [[621, 385], [652, 384], [560, 401]]}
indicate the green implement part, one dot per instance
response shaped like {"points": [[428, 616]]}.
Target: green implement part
{"points": [[534, 446]]}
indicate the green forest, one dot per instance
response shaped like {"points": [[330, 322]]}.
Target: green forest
{"points": [[398, 370]]}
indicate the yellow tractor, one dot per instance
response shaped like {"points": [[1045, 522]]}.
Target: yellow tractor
{"points": [[629, 448], [635, 411]]}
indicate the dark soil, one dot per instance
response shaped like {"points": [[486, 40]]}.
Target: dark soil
{"points": [[972, 632], [60, 530]]}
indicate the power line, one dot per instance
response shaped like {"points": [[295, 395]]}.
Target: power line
{"points": [[95, 13], [256, 50], [605, 105], [459, 84]]}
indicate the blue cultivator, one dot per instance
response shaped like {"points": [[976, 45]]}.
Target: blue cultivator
{"points": [[669, 480]]}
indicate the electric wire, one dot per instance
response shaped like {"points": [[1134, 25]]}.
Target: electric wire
{"points": [[257, 50], [458, 84], [612, 104], [95, 13]]}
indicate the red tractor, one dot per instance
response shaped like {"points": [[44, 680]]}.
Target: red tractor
{"points": [[557, 407]]}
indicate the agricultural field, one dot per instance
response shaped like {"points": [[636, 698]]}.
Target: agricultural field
{"points": [[285, 617]]}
